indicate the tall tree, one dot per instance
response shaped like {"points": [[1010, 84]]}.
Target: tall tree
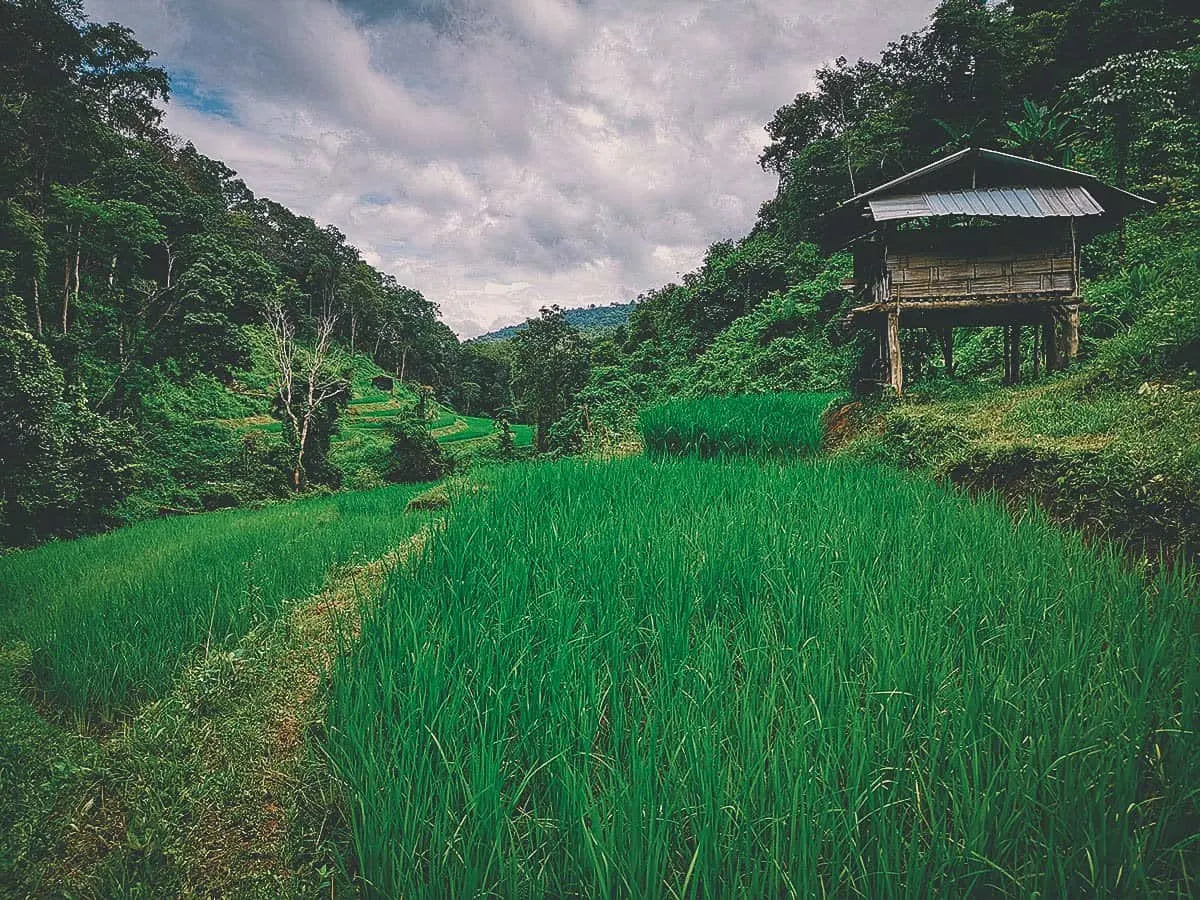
{"points": [[549, 367]]}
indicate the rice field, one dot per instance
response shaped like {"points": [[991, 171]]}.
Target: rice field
{"points": [[672, 678], [111, 619], [785, 424]]}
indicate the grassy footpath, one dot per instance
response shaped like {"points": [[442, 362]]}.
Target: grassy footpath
{"points": [[679, 678], [209, 791], [109, 620]]}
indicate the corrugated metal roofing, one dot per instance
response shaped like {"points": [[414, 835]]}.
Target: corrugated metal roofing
{"points": [[1026, 202]]}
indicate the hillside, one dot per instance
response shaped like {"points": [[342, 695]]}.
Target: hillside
{"points": [[589, 320]]}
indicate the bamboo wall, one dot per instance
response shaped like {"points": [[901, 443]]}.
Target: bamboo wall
{"points": [[937, 276], [1014, 258]]}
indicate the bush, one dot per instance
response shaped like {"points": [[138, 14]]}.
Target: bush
{"points": [[415, 455], [63, 468]]}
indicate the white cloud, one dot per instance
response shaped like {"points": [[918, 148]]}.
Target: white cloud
{"points": [[501, 155]]}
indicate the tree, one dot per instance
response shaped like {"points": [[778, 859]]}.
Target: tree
{"points": [[1127, 92], [549, 367], [62, 467], [305, 388], [1044, 133], [416, 455]]}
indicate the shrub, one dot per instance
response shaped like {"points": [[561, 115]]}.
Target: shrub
{"points": [[416, 455]]}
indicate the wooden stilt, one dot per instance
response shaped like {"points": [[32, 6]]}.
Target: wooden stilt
{"points": [[947, 337], [1016, 354], [1072, 333], [1050, 342], [895, 364], [1035, 353]]}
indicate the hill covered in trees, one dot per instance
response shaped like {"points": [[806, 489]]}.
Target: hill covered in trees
{"points": [[139, 280], [588, 320]]}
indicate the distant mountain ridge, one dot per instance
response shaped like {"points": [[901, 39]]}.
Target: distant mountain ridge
{"points": [[586, 318]]}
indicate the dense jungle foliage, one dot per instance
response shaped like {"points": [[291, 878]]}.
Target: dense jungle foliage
{"points": [[135, 276]]}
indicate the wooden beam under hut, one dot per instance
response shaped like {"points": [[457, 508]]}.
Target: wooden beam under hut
{"points": [[892, 342], [946, 336], [1050, 331], [1071, 338]]}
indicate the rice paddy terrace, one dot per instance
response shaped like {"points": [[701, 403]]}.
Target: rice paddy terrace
{"points": [[729, 667], [369, 415]]}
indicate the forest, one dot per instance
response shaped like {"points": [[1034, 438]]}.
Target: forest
{"points": [[301, 595], [139, 281]]}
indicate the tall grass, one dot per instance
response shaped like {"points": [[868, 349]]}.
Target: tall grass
{"points": [[755, 424], [672, 678], [109, 619]]}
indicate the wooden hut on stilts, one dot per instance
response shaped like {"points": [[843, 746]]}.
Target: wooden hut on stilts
{"points": [[979, 238]]}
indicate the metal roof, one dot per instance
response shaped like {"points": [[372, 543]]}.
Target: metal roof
{"points": [[1025, 202]]}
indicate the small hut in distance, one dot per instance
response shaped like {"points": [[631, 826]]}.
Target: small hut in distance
{"points": [[977, 238]]}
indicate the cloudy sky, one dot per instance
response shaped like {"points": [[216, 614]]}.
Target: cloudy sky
{"points": [[500, 155]]}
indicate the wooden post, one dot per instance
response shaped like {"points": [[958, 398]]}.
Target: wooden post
{"points": [[1072, 335], [1050, 342], [895, 364], [947, 336], [1016, 354], [1007, 354], [1035, 353]]}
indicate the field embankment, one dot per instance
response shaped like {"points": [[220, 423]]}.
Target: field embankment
{"points": [[209, 788], [1121, 462], [673, 677]]}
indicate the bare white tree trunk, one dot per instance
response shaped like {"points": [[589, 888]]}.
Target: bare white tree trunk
{"points": [[302, 384], [66, 300]]}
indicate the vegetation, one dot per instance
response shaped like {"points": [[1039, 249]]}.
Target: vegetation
{"points": [[770, 424], [136, 278], [207, 790], [416, 455], [549, 367], [111, 619], [758, 703], [588, 320], [655, 675]]}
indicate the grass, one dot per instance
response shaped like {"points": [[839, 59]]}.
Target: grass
{"points": [[749, 424], [477, 427], [208, 791], [110, 619], [1119, 460], [676, 678]]}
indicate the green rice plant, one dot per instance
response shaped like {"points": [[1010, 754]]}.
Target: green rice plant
{"points": [[477, 427], [522, 435], [672, 678], [110, 619], [787, 424]]}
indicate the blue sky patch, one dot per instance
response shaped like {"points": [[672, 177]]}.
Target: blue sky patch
{"points": [[188, 90]]}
